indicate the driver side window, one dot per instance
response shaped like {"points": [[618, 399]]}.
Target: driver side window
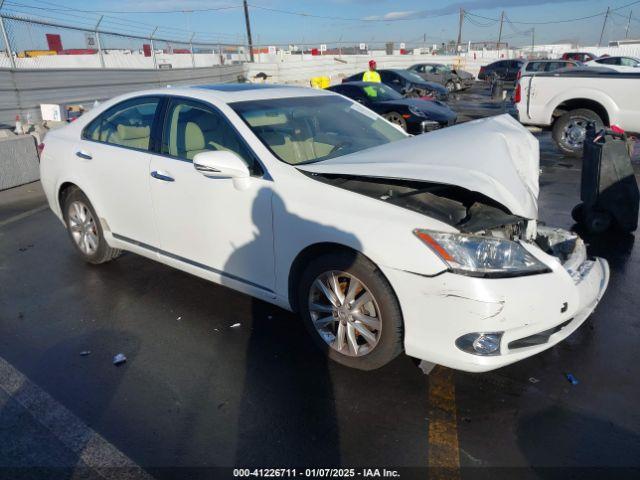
{"points": [[191, 128]]}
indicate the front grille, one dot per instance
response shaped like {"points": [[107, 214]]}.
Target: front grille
{"points": [[537, 338]]}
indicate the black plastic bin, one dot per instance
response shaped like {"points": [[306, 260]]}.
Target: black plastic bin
{"points": [[608, 189]]}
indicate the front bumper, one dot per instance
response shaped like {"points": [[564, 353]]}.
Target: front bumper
{"points": [[534, 312]]}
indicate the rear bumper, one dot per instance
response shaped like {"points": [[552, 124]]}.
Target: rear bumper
{"points": [[533, 313]]}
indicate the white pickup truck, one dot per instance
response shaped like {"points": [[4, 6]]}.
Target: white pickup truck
{"points": [[566, 100]]}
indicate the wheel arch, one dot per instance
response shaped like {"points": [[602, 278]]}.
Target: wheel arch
{"points": [[66, 187], [63, 190], [578, 103], [312, 251]]}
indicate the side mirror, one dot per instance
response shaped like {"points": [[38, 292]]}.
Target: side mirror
{"points": [[220, 164]]}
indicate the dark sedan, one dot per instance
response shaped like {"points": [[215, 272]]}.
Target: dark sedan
{"points": [[505, 70], [412, 114], [407, 84]]}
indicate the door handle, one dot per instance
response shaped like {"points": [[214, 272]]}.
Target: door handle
{"points": [[83, 154], [162, 176]]}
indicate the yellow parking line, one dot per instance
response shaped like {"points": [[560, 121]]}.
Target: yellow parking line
{"points": [[444, 454]]}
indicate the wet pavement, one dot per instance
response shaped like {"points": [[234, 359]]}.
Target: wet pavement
{"points": [[196, 393]]}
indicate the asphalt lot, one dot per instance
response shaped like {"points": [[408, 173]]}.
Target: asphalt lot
{"points": [[197, 393]]}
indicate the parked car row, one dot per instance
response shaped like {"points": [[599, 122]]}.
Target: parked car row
{"points": [[413, 115], [508, 71]]}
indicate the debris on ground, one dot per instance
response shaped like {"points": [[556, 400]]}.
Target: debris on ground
{"points": [[572, 380], [119, 359], [533, 380], [85, 353], [179, 318], [235, 325], [426, 367]]}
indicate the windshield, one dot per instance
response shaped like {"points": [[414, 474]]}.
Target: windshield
{"points": [[414, 77], [381, 93], [311, 129]]}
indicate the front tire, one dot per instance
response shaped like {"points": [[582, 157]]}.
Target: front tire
{"points": [[84, 229], [351, 311], [570, 129], [395, 117]]}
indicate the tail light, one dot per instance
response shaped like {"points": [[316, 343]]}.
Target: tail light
{"points": [[428, 98], [40, 148], [517, 96]]}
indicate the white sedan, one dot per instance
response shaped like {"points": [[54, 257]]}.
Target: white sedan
{"points": [[617, 63], [305, 199]]}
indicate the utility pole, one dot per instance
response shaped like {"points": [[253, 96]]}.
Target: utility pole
{"points": [[500, 34], [604, 25], [626, 33], [246, 19], [533, 40], [5, 38], [460, 30], [99, 45]]}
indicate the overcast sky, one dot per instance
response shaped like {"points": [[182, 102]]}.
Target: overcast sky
{"points": [[406, 20]]}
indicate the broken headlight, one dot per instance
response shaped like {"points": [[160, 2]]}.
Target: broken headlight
{"points": [[481, 256]]}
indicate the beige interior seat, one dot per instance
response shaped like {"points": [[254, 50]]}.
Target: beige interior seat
{"points": [[194, 142], [129, 136]]}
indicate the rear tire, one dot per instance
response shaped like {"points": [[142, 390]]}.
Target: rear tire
{"points": [[569, 130], [381, 315], [84, 228]]}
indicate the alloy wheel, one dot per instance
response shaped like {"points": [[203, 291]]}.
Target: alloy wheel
{"points": [[575, 132], [344, 313], [83, 228]]}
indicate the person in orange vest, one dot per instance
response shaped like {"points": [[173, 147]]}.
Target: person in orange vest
{"points": [[371, 75]]}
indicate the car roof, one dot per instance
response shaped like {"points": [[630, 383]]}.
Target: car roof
{"points": [[358, 84], [548, 60], [240, 92], [615, 56], [228, 93], [402, 72]]}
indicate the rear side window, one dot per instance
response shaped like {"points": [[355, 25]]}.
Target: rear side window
{"points": [[127, 124], [535, 67]]}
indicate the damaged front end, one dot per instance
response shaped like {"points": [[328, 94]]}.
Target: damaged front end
{"points": [[475, 216]]}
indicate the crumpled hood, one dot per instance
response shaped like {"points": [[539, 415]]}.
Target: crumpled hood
{"points": [[494, 156]]}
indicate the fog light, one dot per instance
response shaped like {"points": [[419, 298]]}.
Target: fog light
{"points": [[484, 344]]}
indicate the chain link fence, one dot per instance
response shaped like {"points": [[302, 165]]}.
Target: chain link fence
{"points": [[35, 44]]}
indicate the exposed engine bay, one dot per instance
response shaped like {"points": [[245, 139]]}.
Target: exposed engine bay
{"points": [[470, 212]]}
